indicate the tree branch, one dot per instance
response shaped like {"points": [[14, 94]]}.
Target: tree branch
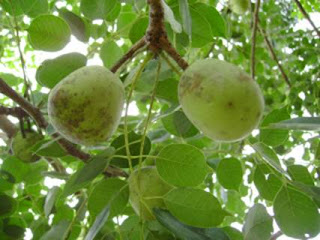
{"points": [[253, 39], [276, 235], [15, 111], [167, 46], [138, 45], [274, 56], [306, 15], [7, 126], [22, 102]]}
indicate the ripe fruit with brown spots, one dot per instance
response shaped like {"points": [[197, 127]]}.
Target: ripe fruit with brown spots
{"points": [[85, 107], [220, 99]]}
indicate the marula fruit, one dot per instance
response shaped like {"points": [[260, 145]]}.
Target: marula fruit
{"points": [[21, 146], [220, 99], [146, 191], [85, 107]]}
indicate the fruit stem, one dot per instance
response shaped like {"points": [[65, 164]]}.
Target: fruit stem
{"points": [[133, 84], [149, 112]]}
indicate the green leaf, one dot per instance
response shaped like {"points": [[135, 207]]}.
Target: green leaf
{"points": [[301, 123], [8, 205], [194, 207], [52, 71], [48, 148], [11, 79], [201, 29], [49, 33], [274, 137], [112, 192], [168, 90], [125, 20], [88, 172], [33, 8], [98, 223], [114, 13], [13, 7], [229, 173], [97, 9], [138, 29], [134, 141], [50, 200], [296, 214], [179, 125], [258, 223], [233, 234], [301, 174], [110, 53], [183, 231], [169, 16], [267, 183], [16, 168], [216, 21], [78, 26], [182, 165], [185, 15], [269, 156], [57, 232]]}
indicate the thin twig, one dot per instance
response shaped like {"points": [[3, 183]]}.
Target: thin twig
{"points": [[306, 15], [276, 235], [253, 39], [57, 166], [141, 43], [274, 56], [17, 112], [173, 67]]}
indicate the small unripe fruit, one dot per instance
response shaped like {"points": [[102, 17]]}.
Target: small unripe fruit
{"points": [[85, 107], [146, 191], [220, 99], [21, 146], [239, 6]]}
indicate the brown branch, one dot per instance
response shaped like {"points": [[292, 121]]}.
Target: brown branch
{"points": [[17, 112], [28, 107], [274, 56], [253, 39], [138, 45], [306, 15], [7, 126], [167, 46], [276, 235]]}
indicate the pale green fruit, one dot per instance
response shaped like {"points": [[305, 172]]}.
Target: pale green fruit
{"points": [[239, 6], [220, 99], [146, 191], [85, 107], [21, 146]]}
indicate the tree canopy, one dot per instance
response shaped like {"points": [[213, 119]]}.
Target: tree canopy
{"points": [[156, 173]]}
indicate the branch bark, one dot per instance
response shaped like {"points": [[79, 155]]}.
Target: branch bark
{"points": [[274, 56], [140, 44], [253, 39], [306, 15], [7, 126], [15, 111], [276, 235]]}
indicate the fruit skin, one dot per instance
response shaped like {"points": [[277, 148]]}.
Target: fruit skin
{"points": [[21, 146], [85, 107], [220, 99], [239, 6], [143, 185]]}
